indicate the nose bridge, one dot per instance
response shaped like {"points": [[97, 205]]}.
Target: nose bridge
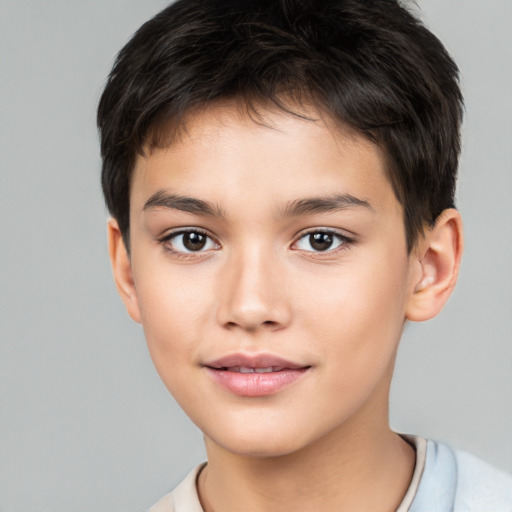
{"points": [[253, 295]]}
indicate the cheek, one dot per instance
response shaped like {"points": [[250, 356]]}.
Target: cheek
{"points": [[355, 324], [358, 311], [175, 308]]}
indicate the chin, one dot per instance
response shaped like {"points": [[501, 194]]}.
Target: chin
{"points": [[259, 448], [258, 440]]}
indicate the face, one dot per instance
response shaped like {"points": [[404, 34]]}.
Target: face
{"points": [[271, 277]]}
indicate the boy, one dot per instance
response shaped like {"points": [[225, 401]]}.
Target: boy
{"points": [[281, 179]]}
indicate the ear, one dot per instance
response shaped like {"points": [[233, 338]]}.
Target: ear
{"points": [[122, 269], [436, 267]]}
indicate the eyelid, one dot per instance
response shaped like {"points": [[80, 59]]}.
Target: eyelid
{"points": [[345, 239], [169, 235], [181, 230]]}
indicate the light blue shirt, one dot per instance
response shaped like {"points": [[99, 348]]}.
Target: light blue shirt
{"points": [[455, 481], [444, 480]]}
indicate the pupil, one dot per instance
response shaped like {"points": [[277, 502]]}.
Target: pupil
{"points": [[320, 241], [194, 241]]}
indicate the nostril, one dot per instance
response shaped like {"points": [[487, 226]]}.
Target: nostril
{"points": [[252, 326]]}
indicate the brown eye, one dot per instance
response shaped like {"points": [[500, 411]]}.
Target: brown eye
{"points": [[321, 241], [194, 241], [189, 241]]}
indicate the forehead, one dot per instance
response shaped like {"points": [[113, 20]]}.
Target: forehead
{"points": [[269, 157]]}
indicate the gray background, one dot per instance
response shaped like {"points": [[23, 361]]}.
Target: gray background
{"points": [[85, 424]]}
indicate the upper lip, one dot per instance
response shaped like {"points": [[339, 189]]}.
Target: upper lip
{"points": [[253, 361]]}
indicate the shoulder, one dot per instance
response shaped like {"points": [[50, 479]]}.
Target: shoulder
{"points": [[456, 481], [183, 498], [481, 486], [164, 505]]}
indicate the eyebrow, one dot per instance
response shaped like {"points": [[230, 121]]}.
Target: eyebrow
{"points": [[163, 199], [297, 207], [324, 205]]}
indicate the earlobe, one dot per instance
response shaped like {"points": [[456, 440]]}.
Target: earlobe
{"points": [[122, 270], [438, 258]]}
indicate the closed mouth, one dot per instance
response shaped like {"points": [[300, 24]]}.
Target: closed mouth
{"points": [[255, 376], [259, 363], [248, 369]]}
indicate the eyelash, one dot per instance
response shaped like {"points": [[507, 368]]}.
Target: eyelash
{"points": [[164, 241], [344, 242]]}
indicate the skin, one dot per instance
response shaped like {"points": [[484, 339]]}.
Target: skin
{"points": [[259, 286]]}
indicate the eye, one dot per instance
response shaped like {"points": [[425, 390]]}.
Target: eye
{"points": [[189, 241], [320, 241]]}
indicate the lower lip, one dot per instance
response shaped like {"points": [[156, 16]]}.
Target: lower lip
{"points": [[256, 384]]}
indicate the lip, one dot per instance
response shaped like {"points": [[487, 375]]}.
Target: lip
{"points": [[238, 373], [253, 361]]}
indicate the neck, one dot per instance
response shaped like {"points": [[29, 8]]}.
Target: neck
{"points": [[362, 465]]}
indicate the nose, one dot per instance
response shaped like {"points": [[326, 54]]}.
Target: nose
{"points": [[253, 293]]}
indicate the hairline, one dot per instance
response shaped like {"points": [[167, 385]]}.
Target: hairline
{"points": [[163, 133]]}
